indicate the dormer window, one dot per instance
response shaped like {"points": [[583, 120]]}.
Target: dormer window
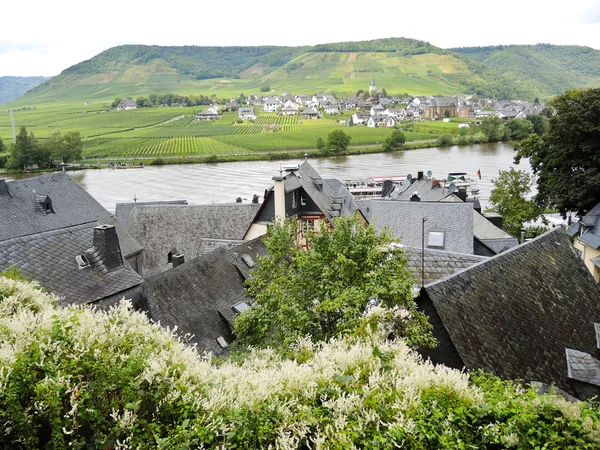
{"points": [[82, 261]]}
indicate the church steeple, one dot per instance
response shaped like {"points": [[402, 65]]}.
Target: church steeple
{"points": [[372, 88]]}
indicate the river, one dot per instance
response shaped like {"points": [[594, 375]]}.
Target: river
{"points": [[224, 182]]}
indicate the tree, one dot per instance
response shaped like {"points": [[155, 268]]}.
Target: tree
{"points": [[25, 150], [508, 198], [115, 102], [444, 140], [65, 148], [519, 129], [493, 128], [265, 88], [540, 123], [323, 292], [395, 141], [359, 92], [566, 159], [320, 144], [337, 141], [2, 146], [383, 93]]}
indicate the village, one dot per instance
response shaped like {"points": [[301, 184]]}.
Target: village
{"points": [[372, 109]]}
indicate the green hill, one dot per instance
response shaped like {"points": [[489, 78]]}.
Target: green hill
{"points": [[11, 88], [545, 69], [399, 65]]}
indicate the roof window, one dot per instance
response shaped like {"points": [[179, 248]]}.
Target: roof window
{"points": [[436, 239], [82, 261]]}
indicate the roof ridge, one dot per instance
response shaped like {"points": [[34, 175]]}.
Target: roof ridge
{"points": [[44, 234]]}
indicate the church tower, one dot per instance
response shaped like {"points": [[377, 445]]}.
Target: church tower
{"points": [[372, 88]]}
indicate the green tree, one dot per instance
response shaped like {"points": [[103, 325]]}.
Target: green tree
{"points": [[444, 140], [493, 128], [2, 146], [509, 199], [320, 144], [566, 159], [115, 102], [64, 148], [541, 124], [25, 150], [395, 142], [265, 88], [519, 129], [383, 93], [323, 292], [337, 141]]}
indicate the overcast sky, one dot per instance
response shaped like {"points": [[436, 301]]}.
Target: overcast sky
{"points": [[41, 37]]}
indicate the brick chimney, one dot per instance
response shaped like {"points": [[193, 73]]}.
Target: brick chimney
{"points": [[279, 194], [106, 249]]}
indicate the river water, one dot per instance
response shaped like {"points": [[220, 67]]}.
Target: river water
{"points": [[224, 182]]}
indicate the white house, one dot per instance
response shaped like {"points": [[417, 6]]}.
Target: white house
{"points": [[246, 114]]}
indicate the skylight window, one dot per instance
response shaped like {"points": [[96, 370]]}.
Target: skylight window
{"points": [[240, 307], [436, 239]]}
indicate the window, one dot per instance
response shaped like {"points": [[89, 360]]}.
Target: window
{"points": [[294, 201], [308, 225], [302, 200], [436, 239]]}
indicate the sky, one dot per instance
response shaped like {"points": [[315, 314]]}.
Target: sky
{"points": [[39, 37]]}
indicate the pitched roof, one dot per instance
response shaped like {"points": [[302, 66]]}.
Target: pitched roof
{"points": [[198, 296], [164, 227], [427, 189], [49, 258], [22, 215], [516, 313], [404, 221], [495, 238], [438, 264], [589, 228], [331, 196]]}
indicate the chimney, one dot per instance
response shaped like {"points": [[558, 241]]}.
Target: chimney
{"points": [[255, 198], [462, 193], [279, 193], [106, 247], [435, 183], [177, 260], [420, 175], [387, 187], [3, 187]]}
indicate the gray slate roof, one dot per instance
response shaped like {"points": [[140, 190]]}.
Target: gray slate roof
{"points": [[492, 236], [516, 313], [198, 296], [589, 228], [49, 258], [21, 215], [331, 196], [162, 228], [438, 264], [404, 221], [424, 187]]}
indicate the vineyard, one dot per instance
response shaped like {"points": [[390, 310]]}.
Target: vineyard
{"points": [[174, 131]]}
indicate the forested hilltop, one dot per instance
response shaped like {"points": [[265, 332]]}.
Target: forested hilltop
{"points": [[544, 68], [12, 88]]}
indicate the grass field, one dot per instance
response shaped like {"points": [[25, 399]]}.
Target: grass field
{"points": [[174, 132]]}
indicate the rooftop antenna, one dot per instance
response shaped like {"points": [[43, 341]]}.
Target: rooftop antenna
{"points": [[134, 199], [423, 253], [12, 125], [306, 157], [280, 170]]}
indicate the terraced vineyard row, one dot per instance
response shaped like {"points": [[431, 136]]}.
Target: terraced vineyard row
{"points": [[186, 146]]}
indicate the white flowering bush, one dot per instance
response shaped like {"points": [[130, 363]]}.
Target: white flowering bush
{"points": [[79, 378]]}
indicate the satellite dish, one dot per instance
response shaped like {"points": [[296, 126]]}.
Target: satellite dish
{"points": [[429, 174], [409, 177], [452, 188]]}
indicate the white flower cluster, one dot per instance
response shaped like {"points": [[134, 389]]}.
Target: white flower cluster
{"points": [[349, 379]]}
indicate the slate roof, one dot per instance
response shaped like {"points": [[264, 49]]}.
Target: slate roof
{"points": [[438, 264], [198, 296], [310, 111], [516, 313], [404, 221], [589, 228], [331, 196], [493, 237], [49, 258], [164, 227], [426, 189], [21, 215]]}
